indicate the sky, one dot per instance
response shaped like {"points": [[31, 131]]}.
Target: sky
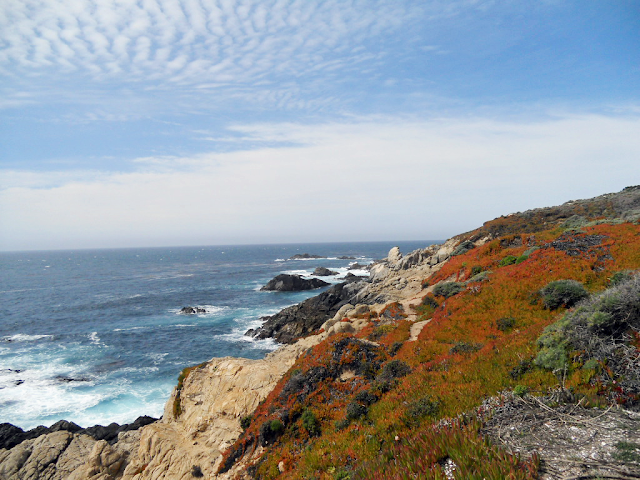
{"points": [[133, 123]]}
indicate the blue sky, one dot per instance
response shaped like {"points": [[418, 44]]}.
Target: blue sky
{"points": [[191, 122]]}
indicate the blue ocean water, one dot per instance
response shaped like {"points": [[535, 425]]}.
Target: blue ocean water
{"points": [[95, 336]]}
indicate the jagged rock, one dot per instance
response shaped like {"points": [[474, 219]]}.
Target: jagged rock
{"points": [[350, 277], [293, 283], [10, 435], [37, 458], [323, 272], [299, 320], [358, 266], [394, 256], [305, 256], [345, 257], [192, 310]]}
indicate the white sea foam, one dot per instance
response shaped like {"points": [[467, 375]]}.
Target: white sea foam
{"points": [[127, 329], [156, 358], [22, 337], [304, 273], [93, 336], [258, 344], [280, 260]]}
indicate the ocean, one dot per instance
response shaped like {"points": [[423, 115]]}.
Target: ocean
{"points": [[96, 336]]}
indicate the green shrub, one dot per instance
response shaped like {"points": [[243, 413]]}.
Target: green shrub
{"points": [[310, 423], [447, 289], [475, 270], [620, 277], [429, 301], [520, 390], [508, 260], [392, 370], [505, 324], [464, 347], [270, 430], [553, 345], [355, 411], [276, 426], [426, 406], [562, 293], [519, 370], [480, 277], [463, 248], [366, 398], [591, 364], [597, 333], [245, 422]]}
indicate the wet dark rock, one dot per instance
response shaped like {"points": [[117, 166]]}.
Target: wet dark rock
{"points": [[358, 266], [293, 283], [345, 257], [10, 435], [65, 379], [305, 256], [350, 277], [323, 272], [306, 317], [66, 426], [192, 310]]}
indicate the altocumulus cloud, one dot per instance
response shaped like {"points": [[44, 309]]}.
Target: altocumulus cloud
{"points": [[368, 179], [205, 43]]}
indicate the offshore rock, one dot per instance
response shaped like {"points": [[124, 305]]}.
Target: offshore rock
{"points": [[293, 283], [192, 310], [323, 272], [305, 256]]}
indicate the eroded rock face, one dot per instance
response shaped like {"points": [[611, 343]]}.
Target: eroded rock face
{"points": [[306, 317], [64, 455], [213, 399], [293, 283]]}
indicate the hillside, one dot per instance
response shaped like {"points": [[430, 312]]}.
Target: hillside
{"points": [[510, 351], [379, 404]]}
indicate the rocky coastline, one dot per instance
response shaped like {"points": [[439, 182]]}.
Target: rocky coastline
{"points": [[202, 416], [205, 413]]}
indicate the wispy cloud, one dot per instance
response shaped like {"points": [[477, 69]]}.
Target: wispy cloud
{"points": [[376, 178]]}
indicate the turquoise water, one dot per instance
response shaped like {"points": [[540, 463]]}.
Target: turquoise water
{"points": [[95, 336]]}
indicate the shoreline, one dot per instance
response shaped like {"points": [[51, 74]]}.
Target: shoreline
{"points": [[215, 395]]}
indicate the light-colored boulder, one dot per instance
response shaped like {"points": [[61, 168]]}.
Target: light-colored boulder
{"points": [[394, 256]]}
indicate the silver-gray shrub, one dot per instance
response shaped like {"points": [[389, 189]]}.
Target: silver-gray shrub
{"points": [[601, 329]]}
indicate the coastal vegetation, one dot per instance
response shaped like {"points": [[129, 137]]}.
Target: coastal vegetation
{"points": [[538, 307]]}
